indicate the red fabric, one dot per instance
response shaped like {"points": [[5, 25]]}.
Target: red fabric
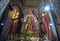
{"points": [[32, 26], [46, 22], [45, 26], [14, 26]]}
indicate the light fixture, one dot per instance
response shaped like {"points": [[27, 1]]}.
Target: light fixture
{"points": [[47, 8], [50, 24], [2, 23]]}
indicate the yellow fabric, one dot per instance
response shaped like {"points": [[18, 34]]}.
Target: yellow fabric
{"points": [[14, 16], [26, 26], [43, 14]]}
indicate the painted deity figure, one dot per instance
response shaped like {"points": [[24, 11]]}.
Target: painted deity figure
{"points": [[30, 26]]}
